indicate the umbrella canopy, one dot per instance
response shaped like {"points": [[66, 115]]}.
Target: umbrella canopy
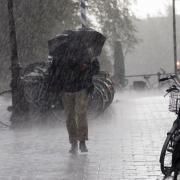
{"points": [[58, 44], [91, 38], [85, 37]]}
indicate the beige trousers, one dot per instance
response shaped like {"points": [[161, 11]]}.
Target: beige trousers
{"points": [[75, 105]]}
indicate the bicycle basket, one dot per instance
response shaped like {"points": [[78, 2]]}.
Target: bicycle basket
{"points": [[174, 102]]}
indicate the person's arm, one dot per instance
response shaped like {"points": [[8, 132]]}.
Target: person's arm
{"points": [[95, 66]]}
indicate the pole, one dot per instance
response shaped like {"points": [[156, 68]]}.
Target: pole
{"points": [[15, 67], [83, 13], [174, 38]]}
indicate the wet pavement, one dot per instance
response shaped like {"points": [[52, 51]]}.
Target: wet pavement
{"points": [[124, 143]]}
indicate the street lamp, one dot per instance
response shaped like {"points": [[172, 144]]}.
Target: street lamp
{"points": [[174, 38]]}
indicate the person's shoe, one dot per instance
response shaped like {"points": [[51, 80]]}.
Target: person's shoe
{"points": [[83, 147], [74, 148]]}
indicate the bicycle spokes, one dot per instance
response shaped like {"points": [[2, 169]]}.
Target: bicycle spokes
{"points": [[168, 150]]}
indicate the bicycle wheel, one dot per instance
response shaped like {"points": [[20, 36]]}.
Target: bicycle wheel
{"points": [[176, 156], [167, 151], [96, 104]]}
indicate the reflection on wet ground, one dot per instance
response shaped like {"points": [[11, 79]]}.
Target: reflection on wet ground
{"points": [[124, 143]]}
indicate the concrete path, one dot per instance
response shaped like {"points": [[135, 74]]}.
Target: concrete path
{"points": [[124, 144]]}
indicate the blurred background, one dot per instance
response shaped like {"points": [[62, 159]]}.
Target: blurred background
{"points": [[139, 34]]}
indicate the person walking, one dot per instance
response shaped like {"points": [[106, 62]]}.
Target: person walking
{"points": [[79, 69]]}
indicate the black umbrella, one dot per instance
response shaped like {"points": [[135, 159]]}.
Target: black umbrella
{"points": [[91, 38], [81, 38], [58, 45]]}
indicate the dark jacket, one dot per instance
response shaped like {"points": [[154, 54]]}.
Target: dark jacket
{"points": [[74, 71], [79, 76]]}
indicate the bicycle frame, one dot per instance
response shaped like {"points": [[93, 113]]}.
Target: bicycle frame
{"points": [[172, 142]]}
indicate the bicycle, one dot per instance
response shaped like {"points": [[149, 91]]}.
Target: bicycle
{"points": [[39, 95], [170, 153]]}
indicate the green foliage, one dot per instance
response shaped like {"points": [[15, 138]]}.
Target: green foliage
{"points": [[39, 20], [115, 19], [36, 22], [116, 22]]}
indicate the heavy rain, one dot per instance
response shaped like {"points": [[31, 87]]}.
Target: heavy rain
{"points": [[89, 90]]}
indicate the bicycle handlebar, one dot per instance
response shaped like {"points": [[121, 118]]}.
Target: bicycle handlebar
{"points": [[168, 78], [163, 79], [175, 87], [172, 88]]}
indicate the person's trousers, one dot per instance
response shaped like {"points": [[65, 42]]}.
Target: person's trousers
{"points": [[75, 105]]}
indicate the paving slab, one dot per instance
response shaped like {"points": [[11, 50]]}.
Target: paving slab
{"points": [[124, 144]]}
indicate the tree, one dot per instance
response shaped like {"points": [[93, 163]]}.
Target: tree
{"points": [[116, 22], [36, 22], [15, 67]]}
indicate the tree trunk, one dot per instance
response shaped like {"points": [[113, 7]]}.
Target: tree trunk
{"points": [[15, 67], [119, 66]]}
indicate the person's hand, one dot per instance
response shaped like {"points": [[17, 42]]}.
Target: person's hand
{"points": [[90, 89], [83, 67]]}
